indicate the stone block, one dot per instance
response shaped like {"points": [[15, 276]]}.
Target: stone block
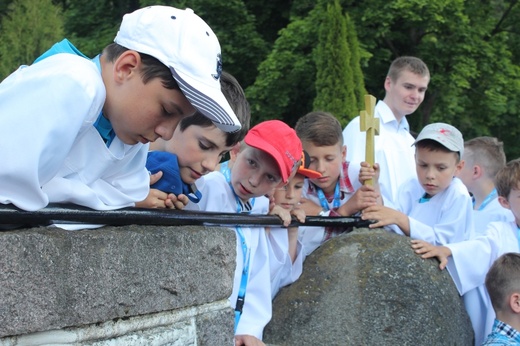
{"points": [[53, 278]]}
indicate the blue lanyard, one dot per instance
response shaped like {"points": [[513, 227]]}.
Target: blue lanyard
{"points": [[245, 277], [518, 236], [224, 169], [492, 195], [323, 200], [425, 198]]}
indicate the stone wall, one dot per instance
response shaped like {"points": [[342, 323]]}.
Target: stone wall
{"points": [[131, 285], [154, 285]]}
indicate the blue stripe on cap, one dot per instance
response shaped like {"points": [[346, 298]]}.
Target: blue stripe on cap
{"points": [[206, 105]]}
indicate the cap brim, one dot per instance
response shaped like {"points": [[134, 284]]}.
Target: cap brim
{"points": [[448, 145], [309, 173], [209, 101]]}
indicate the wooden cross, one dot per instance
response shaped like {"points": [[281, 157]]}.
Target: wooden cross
{"points": [[370, 125]]}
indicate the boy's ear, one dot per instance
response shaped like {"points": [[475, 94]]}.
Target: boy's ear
{"points": [[127, 64], [234, 152], [504, 202], [514, 302], [459, 167], [476, 171], [344, 152], [388, 82]]}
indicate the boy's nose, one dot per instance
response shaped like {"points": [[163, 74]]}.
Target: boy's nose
{"points": [[253, 180], [210, 163], [320, 167], [166, 129]]}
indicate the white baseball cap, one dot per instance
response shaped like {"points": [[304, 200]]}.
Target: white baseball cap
{"points": [[445, 134], [186, 44]]}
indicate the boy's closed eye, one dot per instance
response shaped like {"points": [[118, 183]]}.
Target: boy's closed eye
{"points": [[166, 112], [330, 158], [204, 146], [171, 111]]}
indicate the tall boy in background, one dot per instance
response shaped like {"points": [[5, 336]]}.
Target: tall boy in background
{"points": [[483, 158], [268, 157], [331, 194], [469, 261], [405, 87], [90, 121]]}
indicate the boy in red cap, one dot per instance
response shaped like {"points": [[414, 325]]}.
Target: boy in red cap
{"points": [[267, 158]]}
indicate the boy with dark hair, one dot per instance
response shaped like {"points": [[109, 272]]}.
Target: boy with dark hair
{"points": [[503, 285], [483, 158], [196, 148], [331, 194], [405, 87], [435, 206], [470, 260], [267, 159], [90, 121]]}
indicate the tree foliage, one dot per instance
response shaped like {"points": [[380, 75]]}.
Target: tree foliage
{"points": [[472, 49], [284, 88], [355, 63], [91, 25], [310, 68], [334, 77], [28, 28]]}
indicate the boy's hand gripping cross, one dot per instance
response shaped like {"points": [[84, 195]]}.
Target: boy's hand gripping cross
{"points": [[370, 125]]}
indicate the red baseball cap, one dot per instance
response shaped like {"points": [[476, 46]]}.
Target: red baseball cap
{"points": [[278, 140], [304, 167]]}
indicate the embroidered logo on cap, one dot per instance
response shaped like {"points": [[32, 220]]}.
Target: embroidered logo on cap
{"points": [[219, 67]]}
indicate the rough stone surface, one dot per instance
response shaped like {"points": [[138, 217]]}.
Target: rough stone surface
{"points": [[369, 288], [216, 328], [52, 278]]}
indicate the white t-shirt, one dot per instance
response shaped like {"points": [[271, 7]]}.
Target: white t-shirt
{"points": [[492, 211], [51, 152], [217, 196], [446, 218], [283, 270], [468, 266]]}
